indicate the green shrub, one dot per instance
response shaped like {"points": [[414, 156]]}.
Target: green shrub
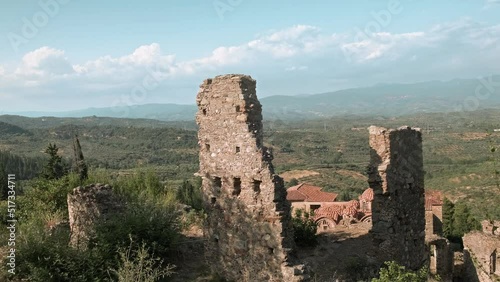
{"points": [[47, 257], [393, 272], [190, 194], [304, 229], [150, 219], [155, 225], [139, 265]]}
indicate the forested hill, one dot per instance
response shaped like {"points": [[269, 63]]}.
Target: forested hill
{"points": [[23, 167]]}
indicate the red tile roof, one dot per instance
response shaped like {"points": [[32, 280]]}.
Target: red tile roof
{"points": [[333, 212], [433, 198], [309, 193]]}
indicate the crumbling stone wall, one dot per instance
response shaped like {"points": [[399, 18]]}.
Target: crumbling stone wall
{"points": [[396, 176], [483, 252], [440, 257], [249, 236], [491, 227], [87, 204]]}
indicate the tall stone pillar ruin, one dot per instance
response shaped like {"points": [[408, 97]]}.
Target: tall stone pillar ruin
{"points": [[396, 176], [86, 206], [248, 229]]}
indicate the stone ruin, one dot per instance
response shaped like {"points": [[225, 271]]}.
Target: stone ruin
{"points": [[248, 229], [396, 176], [482, 253], [86, 205]]}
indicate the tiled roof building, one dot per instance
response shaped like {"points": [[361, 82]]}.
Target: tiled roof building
{"points": [[308, 193], [433, 212]]}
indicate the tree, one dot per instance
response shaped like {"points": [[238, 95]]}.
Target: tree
{"points": [[79, 165], [463, 220], [4, 186], [345, 195], [190, 194], [448, 210], [293, 182], [304, 229], [54, 168], [457, 220]]}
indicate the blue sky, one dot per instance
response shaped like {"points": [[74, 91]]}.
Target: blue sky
{"points": [[59, 55]]}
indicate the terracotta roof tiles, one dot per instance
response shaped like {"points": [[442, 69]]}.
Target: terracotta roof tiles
{"points": [[309, 193]]}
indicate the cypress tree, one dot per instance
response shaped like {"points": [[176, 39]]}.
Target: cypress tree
{"points": [[448, 211], [79, 165]]}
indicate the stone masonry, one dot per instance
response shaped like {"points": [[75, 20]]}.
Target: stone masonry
{"points": [[248, 230], [396, 176], [87, 204], [482, 253]]}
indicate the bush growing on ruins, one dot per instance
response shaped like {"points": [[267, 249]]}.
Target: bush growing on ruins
{"points": [[304, 229], [393, 272], [139, 265]]}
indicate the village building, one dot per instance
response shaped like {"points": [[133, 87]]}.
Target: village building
{"points": [[326, 211], [433, 213], [308, 197]]}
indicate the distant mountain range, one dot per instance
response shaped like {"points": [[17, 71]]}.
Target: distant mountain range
{"points": [[378, 100]]}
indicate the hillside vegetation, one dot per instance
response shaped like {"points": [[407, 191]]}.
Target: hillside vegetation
{"points": [[458, 157]]}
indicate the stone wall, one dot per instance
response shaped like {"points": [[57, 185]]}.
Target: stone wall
{"points": [[484, 252], [440, 257], [491, 227], [396, 176], [87, 204], [248, 230]]}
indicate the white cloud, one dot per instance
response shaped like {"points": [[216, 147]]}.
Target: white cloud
{"points": [[455, 49], [296, 68], [142, 57], [44, 61], [491, 3]]}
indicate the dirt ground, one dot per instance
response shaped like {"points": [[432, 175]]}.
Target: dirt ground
{"points": [[342, 254], [297, 174]]}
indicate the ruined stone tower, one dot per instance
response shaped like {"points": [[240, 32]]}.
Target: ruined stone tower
{"points": [[396, 176], [248, 227]]}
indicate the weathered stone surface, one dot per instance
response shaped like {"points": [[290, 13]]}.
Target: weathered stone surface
{"points": [[491, 227], [396, 176], [87, 204], [482, 256], [440, 257], [248, 230]]}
